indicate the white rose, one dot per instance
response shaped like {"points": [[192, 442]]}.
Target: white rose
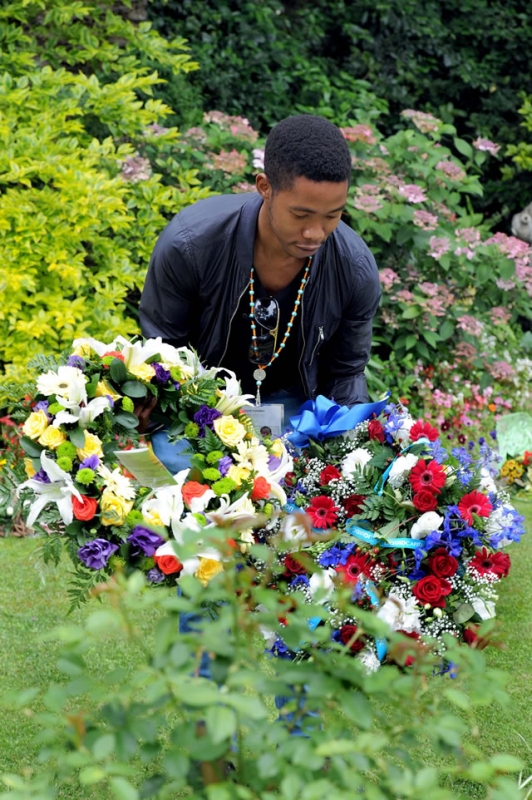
{"points": [[427, 523], [400, 469], [402, 435], [355, 460], [400, 614], [323, 583], [484, 608]]}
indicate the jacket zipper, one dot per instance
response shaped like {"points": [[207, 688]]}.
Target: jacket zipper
{"points": [[303, 381], [321, 338], [231, 322]]}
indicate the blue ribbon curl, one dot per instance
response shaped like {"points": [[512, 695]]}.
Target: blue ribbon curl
{"points": [[322, 418]]}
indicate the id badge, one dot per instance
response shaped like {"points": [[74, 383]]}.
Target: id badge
{"points": [[268, 420]]}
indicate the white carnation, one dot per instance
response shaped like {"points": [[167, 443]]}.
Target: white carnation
{"points": [[400, 614], [355, 460], [400, 469], [427, 523]]}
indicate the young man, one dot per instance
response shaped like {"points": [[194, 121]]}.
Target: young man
{"points": [[272, 284]]}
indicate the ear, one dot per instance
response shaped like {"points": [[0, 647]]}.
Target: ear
{"points": [[264, 187]]}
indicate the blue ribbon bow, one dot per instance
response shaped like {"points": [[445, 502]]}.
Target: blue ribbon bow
{"points": [[321, 419]]}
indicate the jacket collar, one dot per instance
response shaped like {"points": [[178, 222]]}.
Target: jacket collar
{"points": [[247, 229]]}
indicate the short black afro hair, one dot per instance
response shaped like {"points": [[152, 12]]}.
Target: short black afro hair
{"points": [[306, 146]]}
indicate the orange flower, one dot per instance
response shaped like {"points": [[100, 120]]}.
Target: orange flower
{"points": [[168, 564], [261, 489], [192, 489], [492, 407], [527, 458]]}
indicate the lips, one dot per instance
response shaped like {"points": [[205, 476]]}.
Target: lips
{"points": [[309, 248]]}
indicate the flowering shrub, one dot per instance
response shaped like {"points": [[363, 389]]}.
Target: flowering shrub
{"points": [[413, 531]]}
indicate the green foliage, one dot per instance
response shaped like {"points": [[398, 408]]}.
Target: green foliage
{"points": [[80, 203], [158, 733]]}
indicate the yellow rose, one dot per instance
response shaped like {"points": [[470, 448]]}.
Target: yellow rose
{"points": [[83, 349], [92, 447], [230, 430], [104, 390], [152, 517], [143, 371], [238, 474], [52, 438], [35, 425], [207, 569], [29, 468], [277, 448], [113, 509]]}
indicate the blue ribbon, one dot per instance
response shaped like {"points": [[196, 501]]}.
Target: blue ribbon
{"points": [[367, 536], [321, 419], [380, 644]]}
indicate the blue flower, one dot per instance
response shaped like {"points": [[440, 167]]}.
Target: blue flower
{"points": [[438, 453], [300, 580]]}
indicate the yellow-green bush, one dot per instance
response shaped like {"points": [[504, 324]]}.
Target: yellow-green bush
{"points": [[79, 208]]}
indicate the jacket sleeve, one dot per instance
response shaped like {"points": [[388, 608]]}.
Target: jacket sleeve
{"points": [[347, 352], [170, 294]]}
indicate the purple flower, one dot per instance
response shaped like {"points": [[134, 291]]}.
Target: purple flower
{"points": [[204, 417], [155, 575], [92, 462], [337, 554], [225, 464], [273, 463], [144, 541], [299, 581], [96, 554], [42, 405], [41, 477], [76, 361], [162, 375]]}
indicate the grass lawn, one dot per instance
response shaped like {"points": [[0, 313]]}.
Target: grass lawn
{"points": [[31, 606]]}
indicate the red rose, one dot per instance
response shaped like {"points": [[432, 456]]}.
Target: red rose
{"points": [[353, 504], [346, 634], [442, 564], [290, 479], [329, 474], [261, 489], [85, 509], [427, 476], [293, 566], [193, 489], [485, 562], [423, 430], [527, 458], [114, 354], [472, 638], [375, 430], [168, 564], [432, 590], [425, 501]]}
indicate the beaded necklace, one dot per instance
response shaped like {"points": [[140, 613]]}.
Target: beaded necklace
{"points": [[260, 373]]}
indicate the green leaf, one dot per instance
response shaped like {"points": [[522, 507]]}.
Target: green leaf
{"points": [[123, 790], [91, 775], [410, 341], [30, 447], [134, 389], [446, 330], [463, 613], [430, 337], [126, 420], [77, 437], [93, 385], [506, 763], [463, 147], [221, 723], [104, 746], [118, 371], [411, 312], [151, 786], [459, 699]]}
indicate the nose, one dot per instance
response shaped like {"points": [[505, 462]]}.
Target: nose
{"points": [[314, 233]]}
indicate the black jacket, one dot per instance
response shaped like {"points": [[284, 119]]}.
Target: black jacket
{"points": [[200, 269]]}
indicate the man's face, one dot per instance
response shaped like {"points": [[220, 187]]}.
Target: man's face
{"points": [[301, 218]]}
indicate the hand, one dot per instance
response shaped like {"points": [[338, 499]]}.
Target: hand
{"points": [[143, 409]]}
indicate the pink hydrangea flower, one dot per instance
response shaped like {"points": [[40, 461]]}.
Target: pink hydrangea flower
{"points": [[424, 122], [470, 325], [425, 220], [485, 144], [359, 133], [412, 193], [229, 161], [451, 170], [439, 245]]}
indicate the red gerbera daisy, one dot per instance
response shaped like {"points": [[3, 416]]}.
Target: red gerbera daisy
{"points": [[354, 567], [427, 476], [485, 562], [421, 430], [322, 512], [474, 503]]}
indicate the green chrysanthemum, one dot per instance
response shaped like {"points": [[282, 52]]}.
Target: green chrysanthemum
{"points": [[85, 476], [224, 486], [66, 450], [212, 474]]}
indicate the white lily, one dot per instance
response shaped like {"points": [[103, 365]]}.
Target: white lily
{"points": [[286, 464], [229, 512], [278, 492], [168, 502], [84, 415], [183, 357], [60, 491], [231, 397]]}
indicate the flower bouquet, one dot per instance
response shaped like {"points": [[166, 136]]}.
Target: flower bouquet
{"points": [[414, 532], [82, 420]]}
